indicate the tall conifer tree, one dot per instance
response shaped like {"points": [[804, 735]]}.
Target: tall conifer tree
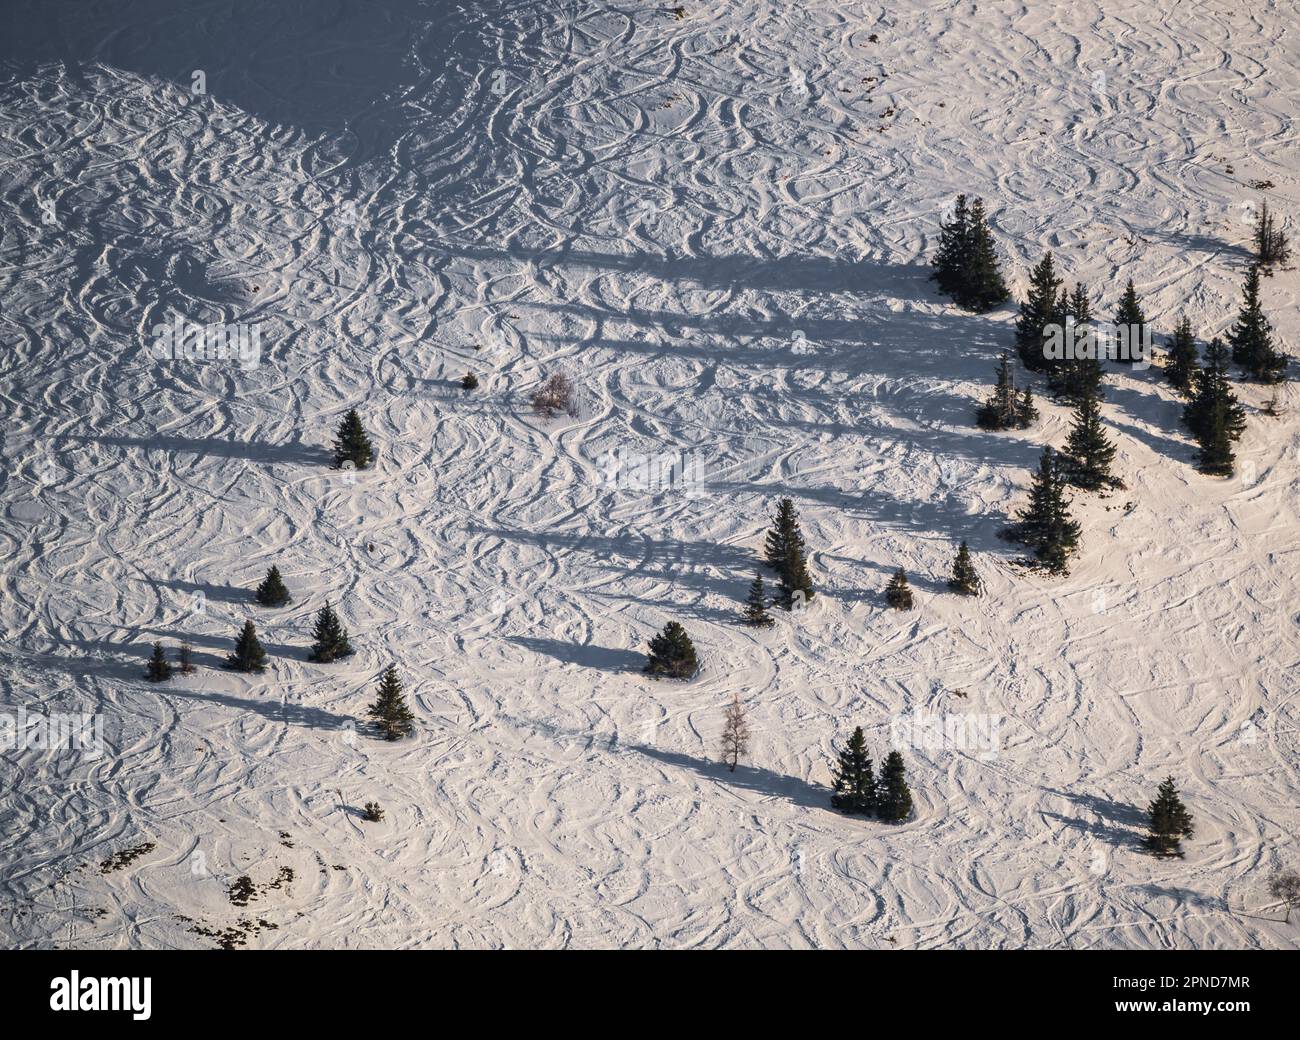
{"points": [[1213, 415], [390, 710], [249, 655], [1168, 821], [1251, 337], [894, 798], [1045, 524], [853, 778], [1088, 451], [1038, 310], [351, 444], [1183, 360]]}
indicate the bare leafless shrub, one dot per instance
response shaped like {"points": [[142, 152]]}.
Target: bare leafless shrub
{"points": [[1285, 885], [557, 395]]}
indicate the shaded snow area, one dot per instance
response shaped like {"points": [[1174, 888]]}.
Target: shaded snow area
{"points": [[718, 220]]}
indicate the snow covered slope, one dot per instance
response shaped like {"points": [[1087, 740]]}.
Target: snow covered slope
{"points": [[718, 221]]}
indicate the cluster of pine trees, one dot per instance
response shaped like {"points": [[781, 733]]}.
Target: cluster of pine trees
{"points": [[966, 264], [856, 789], [329, 643]]}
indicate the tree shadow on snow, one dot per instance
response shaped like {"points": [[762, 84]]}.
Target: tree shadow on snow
{"points": [[748, 778], [216, 447], [607, 659]]}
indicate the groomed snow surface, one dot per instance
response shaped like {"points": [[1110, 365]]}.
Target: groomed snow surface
{"points": [[718, 221]]}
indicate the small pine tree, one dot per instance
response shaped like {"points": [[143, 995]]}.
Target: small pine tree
{"points": [[966, 265], [469, 381], [1045, 524], [158, 670], [1001, 409], [272, 591], [1213, 415], [783, 535], [330, 638], [898, 594], [671, 653], [983, 287], [389, 711], [953, 256], [894, 801], [1251, 337], [1088, 451], [964, 580], [249, 655], [185, 658], [1168, 821], [735, 733], [756, 605], [1129, 317], [1026, 412], [1183, 363], [1040, 309], [1072, 378], [351, 443], [1270, 242], [854, 781]]}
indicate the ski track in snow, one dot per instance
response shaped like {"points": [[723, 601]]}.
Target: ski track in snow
{"points": [[655, 203]]}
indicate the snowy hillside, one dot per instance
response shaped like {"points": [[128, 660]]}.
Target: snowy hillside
{"points": [[719, 221]]}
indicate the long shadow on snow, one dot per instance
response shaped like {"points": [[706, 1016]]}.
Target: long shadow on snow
{"points": [[605, 658], [749, 778], [271, 710], [204, 447], [795, 273]]}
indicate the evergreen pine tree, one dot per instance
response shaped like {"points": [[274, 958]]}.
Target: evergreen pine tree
{"points": [[185, 658], [1001, 410], [249, 655], [1073, 377], [1045, 524], [1168, 821], [964, 580], [1213, 415], [1088, 451], [983, 287], [389, 711], [351, 443], [1270, 241], [1183, 364], [671, 653], [1040, 309], [330, 638], [1130, 322], [795, 577], [898, 594], [272, 591], [953, 257], [783, 535], [894, 800], [756, 604], [1251, 337], [158, 670], [1026, 413], [854, 781]]}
